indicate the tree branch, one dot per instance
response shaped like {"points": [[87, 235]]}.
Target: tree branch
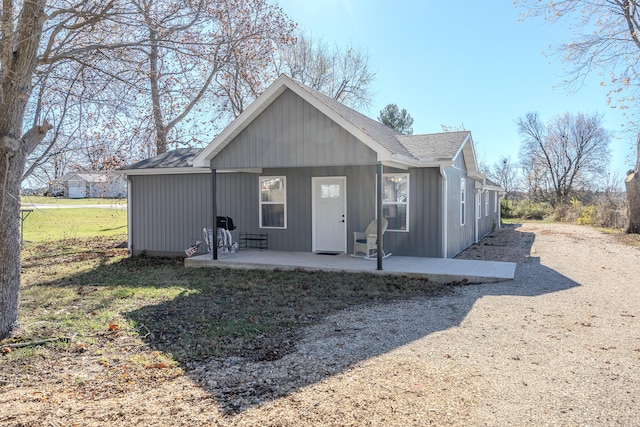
{"points": [[34, 136]]}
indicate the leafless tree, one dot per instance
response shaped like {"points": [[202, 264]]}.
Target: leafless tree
{"points": [[632, 184], [81, 57], [566, 153], [505, 173], [343, 74], [605, 40]]}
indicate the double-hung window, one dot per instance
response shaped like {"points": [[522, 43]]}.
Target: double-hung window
{"points": [[395, 201], [273, 202]]}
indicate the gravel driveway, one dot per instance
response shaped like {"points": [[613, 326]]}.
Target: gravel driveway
{"points": [[559, 345]]}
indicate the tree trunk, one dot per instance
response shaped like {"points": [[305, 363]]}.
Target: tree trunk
{"points": [[154, 77], [19, 49], [9, 241], [632, 183]]}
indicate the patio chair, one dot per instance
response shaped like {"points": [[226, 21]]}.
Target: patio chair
{"points": [[366, 243]]}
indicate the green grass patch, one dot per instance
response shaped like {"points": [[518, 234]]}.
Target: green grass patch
{"points": [[43, 200], [79, 287], [47, 225]]}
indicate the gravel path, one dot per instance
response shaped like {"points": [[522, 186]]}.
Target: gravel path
{"points": [[559, 345]]}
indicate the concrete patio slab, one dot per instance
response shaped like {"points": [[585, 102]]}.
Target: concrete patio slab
{"points": [[437, 270]]}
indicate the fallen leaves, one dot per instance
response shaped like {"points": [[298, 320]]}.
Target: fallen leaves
{"points": [[158, 366]]}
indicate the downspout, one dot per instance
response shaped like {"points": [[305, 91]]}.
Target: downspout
{"points": [[477, 212], [499, 211], [129, 215], [214, 213], [445, 212], [379, 216]]}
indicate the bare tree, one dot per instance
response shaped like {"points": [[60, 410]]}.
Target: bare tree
{"points": [[20, 36], [343, 74], [191, 44], [570, 150], [507, 174], [606, 40], [400, 120], [82, 57], [632, 184]]}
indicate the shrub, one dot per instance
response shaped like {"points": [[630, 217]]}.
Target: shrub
{"points": [[588, 216], [528, 210]]}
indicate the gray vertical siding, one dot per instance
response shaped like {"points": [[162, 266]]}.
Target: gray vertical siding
{"points": [[488, 223], [425, 217], [238, 198], [459, 237], [293, 133], [168, 212]]}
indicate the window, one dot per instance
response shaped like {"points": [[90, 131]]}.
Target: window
{"points": [[478, 205], [463, 185], [486, 203], [330, 191], [395, 196], [273, 202], [495, 201]]}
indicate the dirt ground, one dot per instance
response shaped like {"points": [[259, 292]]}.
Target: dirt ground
{"points": [[559, 345]]}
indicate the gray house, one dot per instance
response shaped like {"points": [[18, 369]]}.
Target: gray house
{"points": [[308, 172]]}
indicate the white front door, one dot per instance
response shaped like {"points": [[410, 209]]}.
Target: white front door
{"points": [[329, 216]]}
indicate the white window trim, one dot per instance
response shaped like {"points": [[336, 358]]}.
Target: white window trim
{"points": [[478, 204], [260, 202], [495, 202], [396, 203], [463, 193]]}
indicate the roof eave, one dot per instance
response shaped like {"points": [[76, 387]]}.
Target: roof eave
{"points": [[468, 151], [425, 162], [163, 171]]}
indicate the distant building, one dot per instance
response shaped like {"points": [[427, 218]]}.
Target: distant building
{"points": [[94, 184]]}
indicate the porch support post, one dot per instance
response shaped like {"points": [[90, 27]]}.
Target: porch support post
{"points": [[214, 213], [379, 215]]}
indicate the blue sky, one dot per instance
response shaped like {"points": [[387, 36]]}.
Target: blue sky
{"points": [[466, 62]]}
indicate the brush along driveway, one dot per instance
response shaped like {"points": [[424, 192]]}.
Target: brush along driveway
{"points": [[559, 345]]}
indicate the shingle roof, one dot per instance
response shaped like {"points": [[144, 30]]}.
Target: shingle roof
{"points": [[438, 146], [87, 176], [492, 183], [435, 146], [179, 158]]}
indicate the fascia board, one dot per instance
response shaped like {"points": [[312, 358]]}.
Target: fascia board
{"points": [[181, 171], [163, 171], [493, 188], [404, 162], [463, 150]]}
